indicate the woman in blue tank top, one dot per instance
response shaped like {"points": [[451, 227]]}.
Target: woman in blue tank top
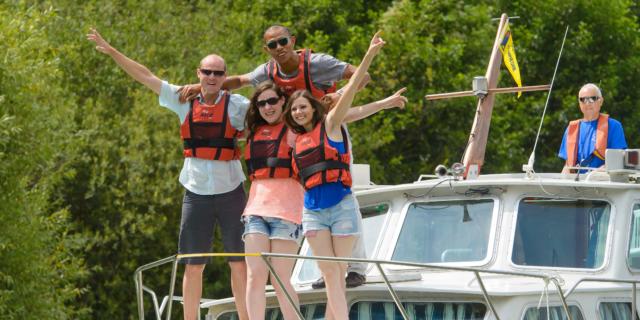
{"points": [[321, 159]]}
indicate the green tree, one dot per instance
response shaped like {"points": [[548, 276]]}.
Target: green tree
{"points": [[38, 266]]}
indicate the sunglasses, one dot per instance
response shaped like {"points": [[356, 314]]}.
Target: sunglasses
{"points": [[272, 101], [274, 43], [591, 99], [217, 73]]}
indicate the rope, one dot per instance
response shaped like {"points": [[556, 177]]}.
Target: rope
{"points": [[545, 293]]}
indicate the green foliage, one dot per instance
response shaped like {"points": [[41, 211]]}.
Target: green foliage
{"points": [[89, 162], [438, 46], [38, 266], [433, 46]]}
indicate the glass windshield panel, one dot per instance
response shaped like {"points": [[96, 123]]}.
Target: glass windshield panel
{"points": [[634, 242], [616, 311], [372, 220], [445, 231], [369, 310], [561, 233], [555, 313]]}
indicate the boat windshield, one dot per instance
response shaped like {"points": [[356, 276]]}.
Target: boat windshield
{"points": [[446, 231], [569, 233]]}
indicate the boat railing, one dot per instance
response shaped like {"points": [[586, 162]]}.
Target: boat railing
{"points": [[394, 295], [168, 300], [633, 282]]}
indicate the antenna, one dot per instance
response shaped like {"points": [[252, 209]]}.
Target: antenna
{"points": [[528, 168]]}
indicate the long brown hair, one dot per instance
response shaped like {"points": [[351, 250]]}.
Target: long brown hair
{"points": [[253, 119], [318, 111]]}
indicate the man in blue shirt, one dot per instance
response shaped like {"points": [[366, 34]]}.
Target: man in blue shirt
{"points": [[586, 140]]}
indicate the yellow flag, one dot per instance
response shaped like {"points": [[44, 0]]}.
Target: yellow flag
{"points": [[509, 56]]}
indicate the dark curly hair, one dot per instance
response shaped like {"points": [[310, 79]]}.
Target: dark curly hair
{"points": [[253, 119], [318, 111]]}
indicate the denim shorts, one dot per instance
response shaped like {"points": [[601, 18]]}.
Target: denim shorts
{"points": [[340, 219], [274, 228]]}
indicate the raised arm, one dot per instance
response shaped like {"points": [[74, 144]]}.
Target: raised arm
{"points": [[337, 115], [137, 71], [348, 73], [397, 100]]}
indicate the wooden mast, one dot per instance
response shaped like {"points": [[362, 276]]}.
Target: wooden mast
{"points": [[474, 154]]}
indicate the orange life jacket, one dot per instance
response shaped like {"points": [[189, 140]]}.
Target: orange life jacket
{"points": [[302, 81], [207, 132], [317, 162], [573, 136], [268, 155]]}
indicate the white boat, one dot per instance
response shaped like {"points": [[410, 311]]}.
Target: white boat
{"points": [[459, 245], [532, 241]]}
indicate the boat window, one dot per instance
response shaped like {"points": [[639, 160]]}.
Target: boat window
{"points": [[561, 233], [555, 313], [634, 242], [370, 310], [378, 310], [312, 311], [372, 220], [616, 311], [445, 231]]}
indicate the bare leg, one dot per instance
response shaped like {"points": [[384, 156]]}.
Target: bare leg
{"points": [[343, 246], [284, 267], [257, 275], [192, 290], [239, 287], [323, 244]]}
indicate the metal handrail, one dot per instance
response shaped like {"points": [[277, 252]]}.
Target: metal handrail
{"points": [[140, 288], [431, 266], [167, 301], [633, 282]]}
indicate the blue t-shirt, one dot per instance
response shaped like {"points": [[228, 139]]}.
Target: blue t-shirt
{"points": [[327, 195], [587, 142]]}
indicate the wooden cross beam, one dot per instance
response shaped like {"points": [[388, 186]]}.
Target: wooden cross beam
{"points": [[459, 94]]}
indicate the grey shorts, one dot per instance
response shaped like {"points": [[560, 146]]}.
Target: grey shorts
{"points": [[200, 213]]}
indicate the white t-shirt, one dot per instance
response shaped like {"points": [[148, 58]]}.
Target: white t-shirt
{"points": [[207, 177]]}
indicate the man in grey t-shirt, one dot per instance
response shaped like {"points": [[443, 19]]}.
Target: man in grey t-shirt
{"points": [[287, 68]]}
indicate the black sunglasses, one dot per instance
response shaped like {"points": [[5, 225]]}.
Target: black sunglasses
{"points": [[274, 43], [272, 101], [217, 73], [591, 99]]}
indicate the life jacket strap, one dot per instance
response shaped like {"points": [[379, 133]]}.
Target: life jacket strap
{"points": [[322, 166], [259, 163], [210, 143]]}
